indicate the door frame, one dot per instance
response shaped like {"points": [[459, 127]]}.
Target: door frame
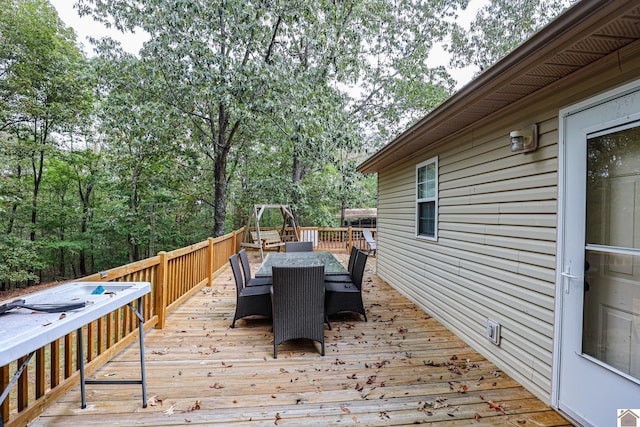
{"points": [[563, 177]]}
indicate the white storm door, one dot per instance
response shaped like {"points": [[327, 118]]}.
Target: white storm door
{"points": [[598, 355]]}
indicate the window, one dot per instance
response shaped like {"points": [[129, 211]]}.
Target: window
{"points": [[427, 199]]}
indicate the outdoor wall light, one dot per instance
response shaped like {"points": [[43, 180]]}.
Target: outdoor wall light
{"points": [[524, 140]]}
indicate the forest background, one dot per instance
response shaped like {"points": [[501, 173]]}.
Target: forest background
{"points": [[108, 159]]}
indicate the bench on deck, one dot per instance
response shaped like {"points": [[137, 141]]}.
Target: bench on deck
{"points": [[270, 239]]}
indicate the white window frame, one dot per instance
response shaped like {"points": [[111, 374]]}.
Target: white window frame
{"points": [[433, 160]]}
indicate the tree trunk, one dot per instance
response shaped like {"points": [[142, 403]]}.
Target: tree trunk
{"points": [[62, 268], [224, 137], [133, 209], [14, 205], [298, 172], [220, 195], [85, 197], [37, 179]]}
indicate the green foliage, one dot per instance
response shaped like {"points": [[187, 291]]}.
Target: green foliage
{"points": [[229, 104], [499, 28], [20, 260], [42, 82], [281, 78]]}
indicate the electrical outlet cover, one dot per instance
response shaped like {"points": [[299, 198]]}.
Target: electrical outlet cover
{"points": [[493, 331]]}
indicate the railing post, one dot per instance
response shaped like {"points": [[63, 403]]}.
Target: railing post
{"points": [[4, 383], [350, 232], [161, 290], [210, 260]]}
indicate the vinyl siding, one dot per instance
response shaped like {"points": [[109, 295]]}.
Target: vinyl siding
{"points": [[495, 253]]}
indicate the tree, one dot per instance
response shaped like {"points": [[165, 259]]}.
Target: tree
{"points": [[209, 61], [140, 135], [42, 89], [43, 85], [226, 65], [499, 28]]}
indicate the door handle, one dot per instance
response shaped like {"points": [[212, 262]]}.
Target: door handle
{"points": [[569, 276]]}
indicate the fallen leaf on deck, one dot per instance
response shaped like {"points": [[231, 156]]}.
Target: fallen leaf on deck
{"points": [[345, 409], [62, 315], [496, 406], [217, 386], [187, 420], [477, 416], [359, 387], [278, 417], [352, 377], [169, 411], [195, 407], [371, 379]]}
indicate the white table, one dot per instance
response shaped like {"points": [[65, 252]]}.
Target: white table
{"points": [[23, 331]]}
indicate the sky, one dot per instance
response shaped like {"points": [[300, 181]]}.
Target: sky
{"points": [[86, 27]]}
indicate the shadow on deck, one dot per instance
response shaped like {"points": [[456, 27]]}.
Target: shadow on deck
{"points": [[400, 368]]}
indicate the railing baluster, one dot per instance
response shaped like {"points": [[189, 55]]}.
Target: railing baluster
{"points": [[101, 335], [23, 386], [68, 355], [4, 383], [54, 369], [91, 328], [40, 372]]}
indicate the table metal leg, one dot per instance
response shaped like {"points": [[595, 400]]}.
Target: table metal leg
{"points": [[80, 358], [143, 377]]}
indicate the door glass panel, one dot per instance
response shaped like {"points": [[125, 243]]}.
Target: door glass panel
{"points": [[611, 321], [611, 330]]}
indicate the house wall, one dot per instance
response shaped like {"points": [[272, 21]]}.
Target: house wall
{"points": [[496, 251]]}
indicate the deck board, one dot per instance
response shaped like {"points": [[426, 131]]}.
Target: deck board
{"points": [[400, 368]]}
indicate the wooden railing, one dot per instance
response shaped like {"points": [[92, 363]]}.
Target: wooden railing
{"points": [[53, 370], [174, 276], [334, 239]]}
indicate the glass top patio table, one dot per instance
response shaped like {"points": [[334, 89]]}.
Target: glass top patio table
{"points": [[301, 259]]}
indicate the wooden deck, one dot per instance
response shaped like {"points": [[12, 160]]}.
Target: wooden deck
{"points": [[399, 368]]}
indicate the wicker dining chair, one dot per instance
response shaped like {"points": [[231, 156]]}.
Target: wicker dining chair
{"points": [[298, 304], [255, 300], [342, 278], [298, 247], [246, 270], [347, 296]]}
